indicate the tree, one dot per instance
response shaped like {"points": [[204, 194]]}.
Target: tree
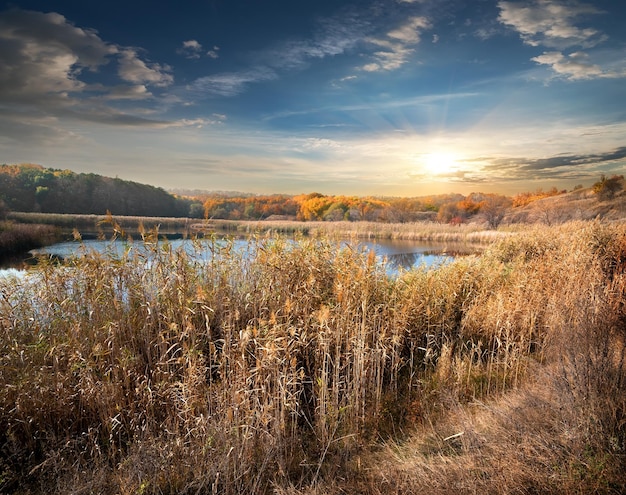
{"points": [[493, 208], [607, 188], [449, 213]]}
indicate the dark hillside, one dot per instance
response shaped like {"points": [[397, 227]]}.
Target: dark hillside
{"points": [[33, 188]]}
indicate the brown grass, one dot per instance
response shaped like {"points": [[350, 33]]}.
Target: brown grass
{"points": [[19, 238], [295, 368]]}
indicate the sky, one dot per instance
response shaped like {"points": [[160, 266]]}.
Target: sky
{"points": [[357, 97]]}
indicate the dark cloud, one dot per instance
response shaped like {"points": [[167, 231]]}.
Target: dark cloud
{"points": [[562, 167], [574, 160], [43, 57]]}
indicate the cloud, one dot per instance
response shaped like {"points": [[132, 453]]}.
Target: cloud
{"points": [[574, 160], [43, 54], [562, 166], [43, 57], [574, 66], [190, 49], [126, 92], [231, 84], [54, 74], [134, 70], [333, 37], [397, 45], [551, 23]]}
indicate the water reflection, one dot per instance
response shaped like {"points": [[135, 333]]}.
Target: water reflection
{"points": [[406, 261], [398, 255]]}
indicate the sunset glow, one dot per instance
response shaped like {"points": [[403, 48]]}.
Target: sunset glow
{"points": [[336, 97], [440, 163]]}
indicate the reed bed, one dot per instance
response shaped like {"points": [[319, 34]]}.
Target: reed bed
{"points": [[475, 233], [97, 223], [18, 238], [298, 367], [414, 231]]}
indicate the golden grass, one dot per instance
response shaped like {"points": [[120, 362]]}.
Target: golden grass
{"points": [[297, 368], [415, 231]]}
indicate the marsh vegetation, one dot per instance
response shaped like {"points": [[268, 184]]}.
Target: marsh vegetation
{"points": [[294, 368]]}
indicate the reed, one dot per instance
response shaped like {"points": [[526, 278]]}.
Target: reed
{"points": [[18, 238], [301, 367], [101, 223], [415, 231]]}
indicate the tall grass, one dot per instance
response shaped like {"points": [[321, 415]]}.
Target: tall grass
{"points": [[415, 231], [102, 223], [286, 368], [18, 238]]}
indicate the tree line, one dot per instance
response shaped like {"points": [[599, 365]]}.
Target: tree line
{"points": [[33, 188]]}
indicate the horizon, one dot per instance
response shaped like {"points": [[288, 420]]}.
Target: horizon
{"points": [[386, 98]]}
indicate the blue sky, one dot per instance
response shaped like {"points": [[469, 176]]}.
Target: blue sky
{"points": [[390, 98]]}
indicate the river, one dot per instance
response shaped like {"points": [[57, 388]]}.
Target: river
{"points": [[397, 255]]}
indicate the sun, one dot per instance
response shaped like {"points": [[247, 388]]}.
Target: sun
{"points": [[439, 163]]}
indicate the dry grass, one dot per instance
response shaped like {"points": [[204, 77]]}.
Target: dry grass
{"points": [[415, 231], [18, 238], [294, 368], [102, 223]]}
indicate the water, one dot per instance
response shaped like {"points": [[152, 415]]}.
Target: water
{"points": [[398, 255]]}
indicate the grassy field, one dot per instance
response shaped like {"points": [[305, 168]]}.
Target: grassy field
{"points": [[296, 369]]}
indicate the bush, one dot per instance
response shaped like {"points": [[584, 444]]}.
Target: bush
{"points": [[607, 188]]}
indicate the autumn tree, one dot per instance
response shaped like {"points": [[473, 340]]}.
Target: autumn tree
{"points": [[493, 209], [606, 188]]}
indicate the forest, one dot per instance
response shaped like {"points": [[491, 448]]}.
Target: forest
{"points": [[33, 188]]}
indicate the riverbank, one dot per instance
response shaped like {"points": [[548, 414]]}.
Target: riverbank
{"points": [[298, 371], [16, 238], [414, 231]]}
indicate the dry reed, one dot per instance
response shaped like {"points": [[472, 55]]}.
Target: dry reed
{"points": [[286, 368]]}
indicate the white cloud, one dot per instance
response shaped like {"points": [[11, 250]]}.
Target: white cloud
{"points": [[334, 37], [574, 66], [193, 49], [231, 84], [197, 123], [133, 69], [397, 45], [190, 49], [551, 23], [554, 24], [409, 32], [192, 45], [135, 92]]}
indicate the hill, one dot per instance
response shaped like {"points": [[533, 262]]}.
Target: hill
{"points": [[605, 200], [33, 188]]}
